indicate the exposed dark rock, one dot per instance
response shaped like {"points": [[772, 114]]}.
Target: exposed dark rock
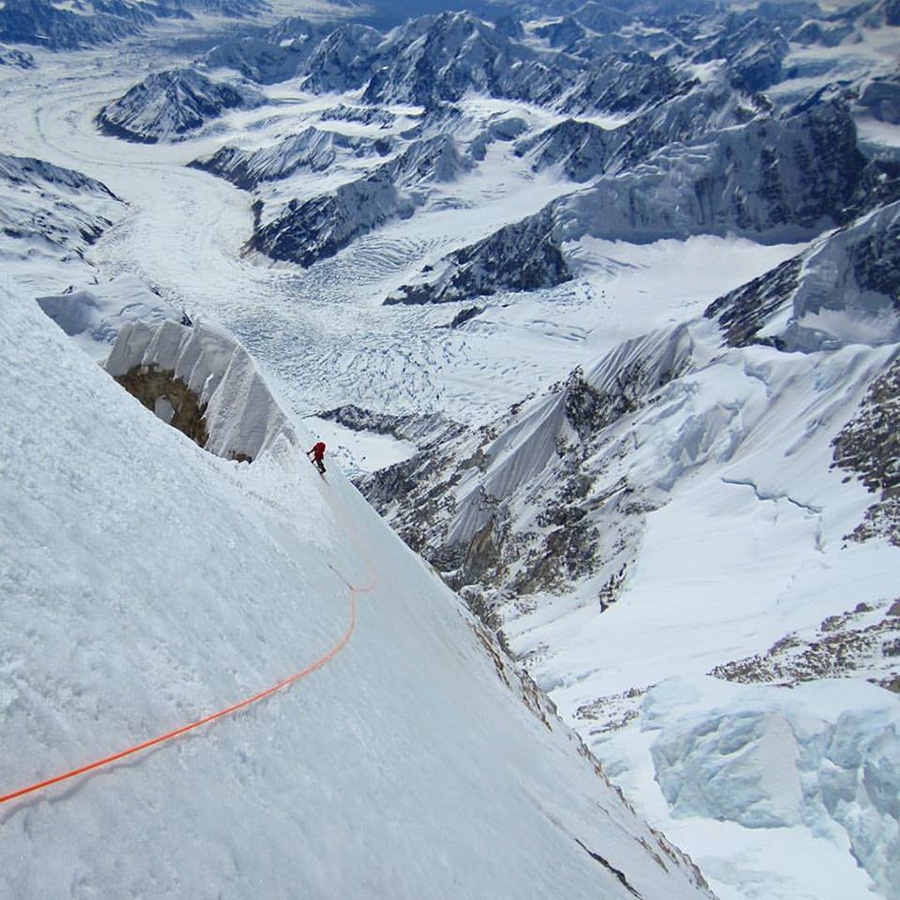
{"points": [[841, 647], [754, 48], [742, 312], [869, 447], [321, 227], [466, 315], [344, 60], [458, 502], [19, 59], [170, 398], [520, 257], [580, 148], [855, 271]]}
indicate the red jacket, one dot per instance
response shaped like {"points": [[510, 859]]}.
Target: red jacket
{"points": [[318, 450]]}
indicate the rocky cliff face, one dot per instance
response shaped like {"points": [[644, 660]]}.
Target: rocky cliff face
{"points": [[49, 207], [344, 60], [520, 257]]}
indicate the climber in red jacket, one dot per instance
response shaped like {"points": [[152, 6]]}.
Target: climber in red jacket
{"points": [[316, 453]]}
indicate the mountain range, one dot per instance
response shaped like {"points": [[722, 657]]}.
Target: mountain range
{"points": [[597, 305]]}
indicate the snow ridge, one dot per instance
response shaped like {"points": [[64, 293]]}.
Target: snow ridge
{"points": [[242, 419]]}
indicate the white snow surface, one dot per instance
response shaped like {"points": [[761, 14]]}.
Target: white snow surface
{"points": [[146, 582], [359, 452], [94, 315]]}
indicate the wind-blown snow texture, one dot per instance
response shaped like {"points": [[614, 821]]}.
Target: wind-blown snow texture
{"points": [[605, 304]]}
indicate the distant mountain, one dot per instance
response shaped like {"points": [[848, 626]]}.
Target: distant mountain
{"points": [[319, 228], [312, 148], [58, 26], [692, 146], [842, 290], [49, 209], [275, 56], [583, 150], [344, 60], [169, 104], [774, 179], [521, 257]]}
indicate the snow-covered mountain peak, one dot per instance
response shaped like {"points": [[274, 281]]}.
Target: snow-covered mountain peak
{"points": [[169, 104]]}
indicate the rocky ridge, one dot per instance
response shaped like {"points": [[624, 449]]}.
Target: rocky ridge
{"points": [[169, 104], [47, 207]]}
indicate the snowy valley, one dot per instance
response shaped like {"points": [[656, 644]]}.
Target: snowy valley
{"points": [[596, 305]]}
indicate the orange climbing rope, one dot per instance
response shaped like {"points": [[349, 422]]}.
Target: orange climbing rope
{"points": [[228, 710]]}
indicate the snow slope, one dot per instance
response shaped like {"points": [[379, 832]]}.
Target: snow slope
{"points": [[323, 335], [146, 582]]}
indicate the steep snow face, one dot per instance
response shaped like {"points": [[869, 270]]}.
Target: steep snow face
{"points": [[168, 104], [680, 521], [842, 291], [146, 582]]}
